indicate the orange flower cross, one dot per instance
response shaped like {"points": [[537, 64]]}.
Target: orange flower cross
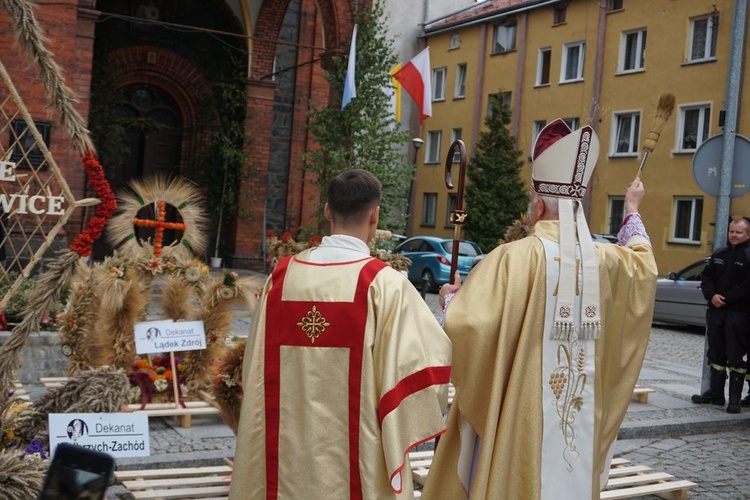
{"points": [[160, 224]]}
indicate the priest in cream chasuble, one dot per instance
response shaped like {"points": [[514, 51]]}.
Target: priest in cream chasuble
{"points": [[549, 333], [345, 369]]}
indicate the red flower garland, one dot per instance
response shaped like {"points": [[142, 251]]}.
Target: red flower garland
{"points": [[103, 212]]}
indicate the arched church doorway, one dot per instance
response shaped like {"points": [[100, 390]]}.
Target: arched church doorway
{"points": [[153, 138], [153, 134]]}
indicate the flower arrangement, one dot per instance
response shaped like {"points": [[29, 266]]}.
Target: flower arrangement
{"points": [[103, 212], [520, 229], [49, 324], [151, 380], [230, 278]]}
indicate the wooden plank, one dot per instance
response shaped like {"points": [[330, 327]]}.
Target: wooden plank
{"points": [[141, 484], [168, 406], [640, 394], [418, 455], [179, 472], [653, 477], [419, 476], [211, 491], [628, 471], [678, 487], [171, 412], [619, 461], [208, 398]]}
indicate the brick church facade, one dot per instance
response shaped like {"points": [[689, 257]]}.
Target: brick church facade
{"points": [[164, 58]]}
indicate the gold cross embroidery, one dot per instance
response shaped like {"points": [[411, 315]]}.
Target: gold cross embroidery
{"points": [[313, 324], [578, 291]]}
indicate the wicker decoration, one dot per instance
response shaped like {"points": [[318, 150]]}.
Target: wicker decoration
{"points": [[227, 386], [94, 391], [159, 191]]}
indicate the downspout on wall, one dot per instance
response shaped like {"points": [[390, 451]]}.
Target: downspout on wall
{"points": [[596, 91], [479, 94], [520, 71]]}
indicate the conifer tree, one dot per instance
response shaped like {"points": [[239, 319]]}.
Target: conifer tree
{"points": [[495, 194], [365, 134]]}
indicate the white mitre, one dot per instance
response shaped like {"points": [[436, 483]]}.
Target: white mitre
{"points": [[563, 161]]}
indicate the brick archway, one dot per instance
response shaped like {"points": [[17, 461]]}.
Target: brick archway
{"points": [[172, 73], [326, 24], [337, 17]]}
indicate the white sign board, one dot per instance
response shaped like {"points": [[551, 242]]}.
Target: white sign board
{"points": [[118, 434], [165, 336]]}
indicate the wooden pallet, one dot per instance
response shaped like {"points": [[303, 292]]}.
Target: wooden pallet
{"points": [[20, 392], [205, 406], [190, 482], [640, 394], [625, 480]]}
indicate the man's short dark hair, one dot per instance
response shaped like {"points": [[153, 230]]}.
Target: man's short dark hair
{"points": [[352, 194], [742, 219]]}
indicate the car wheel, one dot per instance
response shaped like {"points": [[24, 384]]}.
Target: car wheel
{"points": [[428, 280]]}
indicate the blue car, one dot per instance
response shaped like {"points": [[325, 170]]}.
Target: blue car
{"points": [[431, 259]]}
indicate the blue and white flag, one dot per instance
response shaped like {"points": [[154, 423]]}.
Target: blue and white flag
{"points": [[350, 91]]}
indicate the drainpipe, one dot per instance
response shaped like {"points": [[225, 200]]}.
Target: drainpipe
{"points": [[598, 68], [596, 92], [476, 123], [518, 91]]}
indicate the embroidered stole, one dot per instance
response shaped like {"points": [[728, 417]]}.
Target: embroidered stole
{"points": [[567, 396]]}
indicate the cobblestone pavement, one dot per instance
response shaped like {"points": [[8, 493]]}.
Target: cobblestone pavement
{"points": [[702, 444], [716, 461], [669, 431]]}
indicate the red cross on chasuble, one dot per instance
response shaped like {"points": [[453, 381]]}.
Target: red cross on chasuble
{"points": [[314, 325]]}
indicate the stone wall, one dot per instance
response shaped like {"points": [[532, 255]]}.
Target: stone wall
{"points": [[41, 357]]}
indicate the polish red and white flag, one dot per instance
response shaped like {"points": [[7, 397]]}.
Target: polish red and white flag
{"points": [[415, 78]]}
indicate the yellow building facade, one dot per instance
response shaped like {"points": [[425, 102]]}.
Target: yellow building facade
{"points": [[598, 62]]}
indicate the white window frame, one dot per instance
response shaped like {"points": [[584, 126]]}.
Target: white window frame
{"points": [[455, 42], [693, 202], [511, 32], [536, 128], [459, 91], [640, 50], [456, 134], [708, 51], [429, 209], [439, 75], [432, 148], [634, 133], [573, 122], [540, 66], [581, 45], [616, 213], [703, 131]]}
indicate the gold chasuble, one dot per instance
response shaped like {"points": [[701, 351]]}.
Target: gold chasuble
{"points": [[345, 370], [536, 416]]}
